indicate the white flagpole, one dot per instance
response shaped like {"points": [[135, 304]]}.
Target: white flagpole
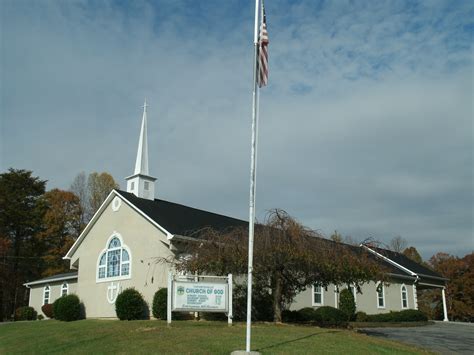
{"points": [[253, 161]]}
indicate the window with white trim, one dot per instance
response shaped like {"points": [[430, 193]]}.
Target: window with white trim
{"points": [[404, 296], [46, 294], [64, 289], [317, 295], [114, 261], [380, 295]]}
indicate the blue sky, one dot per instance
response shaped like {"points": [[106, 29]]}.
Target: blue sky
{"points": [[366, 125]]}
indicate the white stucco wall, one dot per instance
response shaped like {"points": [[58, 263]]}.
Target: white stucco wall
{"points": [[37, 293], [366, 301], [145, 242]]}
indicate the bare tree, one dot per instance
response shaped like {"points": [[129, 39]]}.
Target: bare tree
{"points": [[79, 188], [398, 244], [92, 191]]}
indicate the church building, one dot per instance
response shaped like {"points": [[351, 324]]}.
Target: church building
{"points": [[120, 245]]}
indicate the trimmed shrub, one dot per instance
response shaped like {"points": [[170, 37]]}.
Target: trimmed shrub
{"points": [[67, 308], [408, 315], [331, 317], [130, 305], [25, 313], [48, 310], [307, 314], [361, 317], [290, 316], [160, 301], [347, 304], [412, 315], [40, 317]]}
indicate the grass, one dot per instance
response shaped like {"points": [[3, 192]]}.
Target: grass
{"points": [[184, 337]]}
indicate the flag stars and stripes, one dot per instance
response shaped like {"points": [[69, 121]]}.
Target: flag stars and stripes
{"points": [[262, 77]]}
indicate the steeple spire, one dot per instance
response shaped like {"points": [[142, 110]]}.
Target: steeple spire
{"points": [[141, 165], [140, 183]]}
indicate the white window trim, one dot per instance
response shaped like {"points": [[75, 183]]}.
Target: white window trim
{"points": [[377, 295], [44, 294], [114, 278], [61, 289], [322, 296], [401, 296]]}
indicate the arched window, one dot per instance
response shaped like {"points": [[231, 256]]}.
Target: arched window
{"points": [[114, 261], [404, 297], [64, 289], [380, 295], [46, 294]]}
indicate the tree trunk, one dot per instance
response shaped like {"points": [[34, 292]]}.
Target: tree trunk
{"points": [[277, 294]]}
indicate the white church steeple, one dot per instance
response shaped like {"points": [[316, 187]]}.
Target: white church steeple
{"points": [[140, 183]]}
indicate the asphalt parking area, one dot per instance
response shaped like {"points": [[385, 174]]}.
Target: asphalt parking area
{"points": [[442, 337]]}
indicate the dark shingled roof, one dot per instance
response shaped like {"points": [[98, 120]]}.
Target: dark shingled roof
{"points": [[406, 262], [179, 219]]}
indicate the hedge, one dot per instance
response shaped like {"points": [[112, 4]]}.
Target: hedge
{"points": [[67, 308], [25, 313], [408, 315], [130, 305], [331, 317]]}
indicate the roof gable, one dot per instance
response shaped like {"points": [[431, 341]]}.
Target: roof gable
{"points": [[171, 218], [179, 219]]}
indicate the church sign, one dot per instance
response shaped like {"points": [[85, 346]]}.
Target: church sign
{"points": [[200, 297], [200, 293]]}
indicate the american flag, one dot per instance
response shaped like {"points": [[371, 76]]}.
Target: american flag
{"points": [[262, 78]]}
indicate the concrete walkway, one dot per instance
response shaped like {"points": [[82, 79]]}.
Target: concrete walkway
{"points": [[441, 337]]}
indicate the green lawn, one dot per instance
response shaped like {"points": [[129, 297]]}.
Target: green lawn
{"points": [[183, 337]]}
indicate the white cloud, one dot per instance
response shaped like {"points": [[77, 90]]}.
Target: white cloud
{"points": [[366, 126]]}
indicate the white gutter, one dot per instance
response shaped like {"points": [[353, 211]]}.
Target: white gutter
{"points": [[390, 261], [39, 282]]}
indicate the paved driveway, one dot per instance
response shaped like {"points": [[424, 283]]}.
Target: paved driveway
{"points": [[445, 338]]}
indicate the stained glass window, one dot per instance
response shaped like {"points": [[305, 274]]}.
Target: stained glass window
{"points": [[115, 261], [114, 243]]}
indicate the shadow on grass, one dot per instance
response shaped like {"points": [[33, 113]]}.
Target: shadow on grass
{"points": [[295, 340]]}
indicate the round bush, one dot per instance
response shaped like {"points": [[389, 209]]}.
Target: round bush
{"points": [[331, 317], [67, 308], [347, 304], [361, 317], [25, 313], [48, 310], [40, 317], [307, 314], [160, 301], [130, 305]]}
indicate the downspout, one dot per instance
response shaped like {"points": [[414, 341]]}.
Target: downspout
{"points": [[415, 295]]}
